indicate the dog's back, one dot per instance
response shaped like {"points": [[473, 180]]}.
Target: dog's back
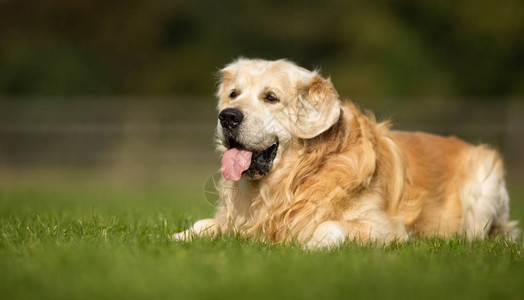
{"points": [[453, 186]]}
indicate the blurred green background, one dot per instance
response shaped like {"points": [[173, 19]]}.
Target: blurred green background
{"points": [[371, 49], [121, 92]]}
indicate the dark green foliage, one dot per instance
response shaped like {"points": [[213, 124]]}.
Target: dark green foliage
{"points": [[371, 49]]}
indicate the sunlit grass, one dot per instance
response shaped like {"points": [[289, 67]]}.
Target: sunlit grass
{"points": [[103, 243]]}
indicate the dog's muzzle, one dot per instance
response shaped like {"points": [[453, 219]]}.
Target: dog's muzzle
{"points": [[238, 161], [230, 118]]}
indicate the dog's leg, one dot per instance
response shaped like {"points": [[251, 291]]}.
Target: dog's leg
{"points": [[327, 235], [206, 227], [377, 227]]}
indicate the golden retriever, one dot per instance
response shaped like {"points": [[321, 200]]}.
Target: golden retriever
{"points": [[299, 165]]}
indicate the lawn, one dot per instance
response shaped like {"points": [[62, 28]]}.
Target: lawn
{"points": [[98, 242]]}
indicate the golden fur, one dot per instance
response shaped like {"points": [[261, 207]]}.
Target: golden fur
{"points": [[356, 178]]}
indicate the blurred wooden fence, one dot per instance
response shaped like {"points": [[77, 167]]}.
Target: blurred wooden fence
{"points": [[149, 141]]}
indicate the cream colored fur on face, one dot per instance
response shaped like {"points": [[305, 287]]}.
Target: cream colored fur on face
{"points": [[340, 175]]}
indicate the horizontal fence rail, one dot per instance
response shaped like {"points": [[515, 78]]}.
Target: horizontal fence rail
{"points": [[173, 138]]}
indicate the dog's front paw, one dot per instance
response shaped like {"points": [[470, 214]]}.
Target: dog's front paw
{"points": [[327, 235], [206, 227], [181, 236]]}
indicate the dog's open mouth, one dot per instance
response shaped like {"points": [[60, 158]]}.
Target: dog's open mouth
{"points": [[237, 161]]}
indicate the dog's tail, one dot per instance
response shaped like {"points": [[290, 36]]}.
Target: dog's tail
{"points": [[510, 229], [503, 226], [485, 197]]}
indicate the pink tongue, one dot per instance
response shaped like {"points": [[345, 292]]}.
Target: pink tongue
{"points": [[234, 162]]}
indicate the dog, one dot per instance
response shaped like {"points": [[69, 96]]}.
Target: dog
{"points": [[301, 166]]}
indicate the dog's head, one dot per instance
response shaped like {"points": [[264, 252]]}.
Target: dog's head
{"points": [[263, 106]]}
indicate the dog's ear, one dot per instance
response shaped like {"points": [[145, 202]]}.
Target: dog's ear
{"points": [[224, 78], [318, 107]]}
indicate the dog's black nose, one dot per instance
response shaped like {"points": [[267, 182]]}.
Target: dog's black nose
{"points": [[230, 117]]}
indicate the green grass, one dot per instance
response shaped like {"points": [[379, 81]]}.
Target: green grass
{"points": [[104, 243]]}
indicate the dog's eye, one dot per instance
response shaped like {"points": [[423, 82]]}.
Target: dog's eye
{"points": [[270, 98], [233, 94]]}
